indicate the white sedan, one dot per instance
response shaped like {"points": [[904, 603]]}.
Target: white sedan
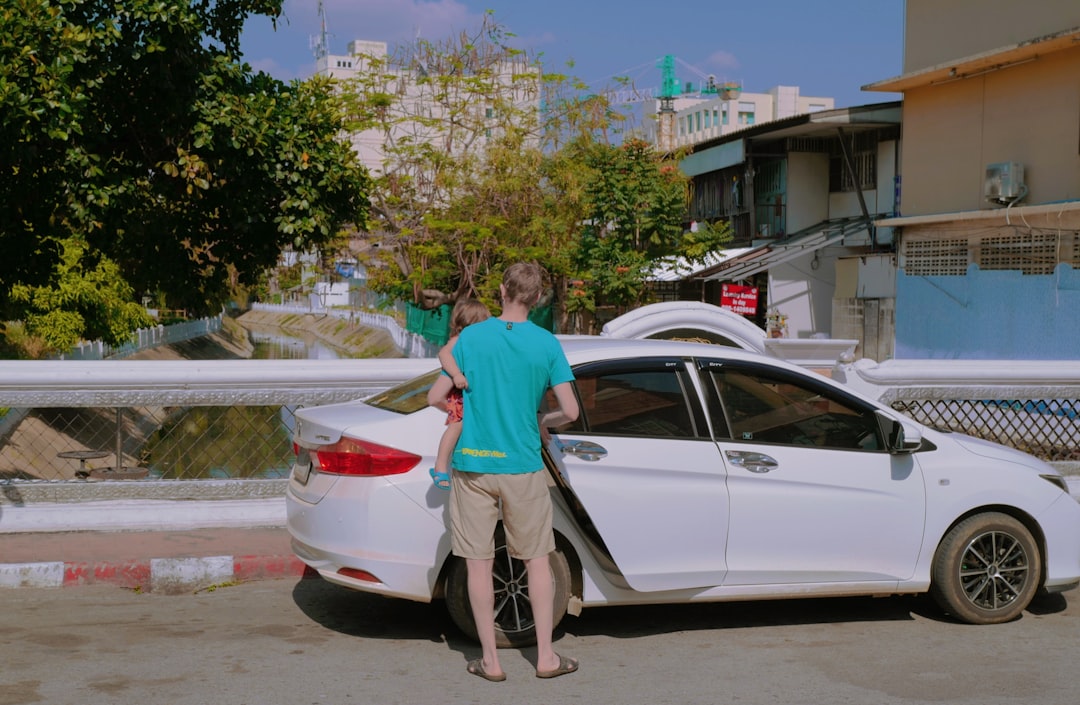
{"points": [[695, 473]]}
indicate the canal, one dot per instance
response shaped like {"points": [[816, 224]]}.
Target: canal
{"points": [[234, 441]]}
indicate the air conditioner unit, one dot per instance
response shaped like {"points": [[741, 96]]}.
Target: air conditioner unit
{"points": [[1004, 182]]}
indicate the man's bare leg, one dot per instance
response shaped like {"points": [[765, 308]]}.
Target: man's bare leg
{"points": [[542, 599], [482, 599]]}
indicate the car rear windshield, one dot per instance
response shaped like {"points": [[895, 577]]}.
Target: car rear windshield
{"points": [[406, 397]]}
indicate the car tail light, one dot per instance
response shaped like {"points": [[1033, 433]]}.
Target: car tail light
{"points": [[353, 457]]}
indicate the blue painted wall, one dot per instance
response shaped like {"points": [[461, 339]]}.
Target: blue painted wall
{"points": [[994, 315]]}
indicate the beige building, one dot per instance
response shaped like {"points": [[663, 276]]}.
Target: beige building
{"points": [[989, 229], [699, 119], [725, 114], [422, 108], [800, 195]]}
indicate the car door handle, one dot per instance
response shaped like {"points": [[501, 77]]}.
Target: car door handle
{"points": [[586, 450], [753, 462]]}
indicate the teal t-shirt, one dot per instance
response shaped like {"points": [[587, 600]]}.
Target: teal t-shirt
{"points": [[509, 367]]}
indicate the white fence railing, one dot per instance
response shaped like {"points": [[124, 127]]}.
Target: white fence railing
{"points": [[112, 383], [147, 338], [1027, 404]]}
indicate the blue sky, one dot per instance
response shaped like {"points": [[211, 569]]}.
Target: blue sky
{"points": [[827, 48]]}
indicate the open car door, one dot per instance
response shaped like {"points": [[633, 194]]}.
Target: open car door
{"points": [[644, 476]]}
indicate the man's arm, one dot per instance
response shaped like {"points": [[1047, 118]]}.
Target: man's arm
{"points": [[567, 411], [436, 396]]}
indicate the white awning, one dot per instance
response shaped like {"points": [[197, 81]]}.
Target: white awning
{"points": [[763, 257]]}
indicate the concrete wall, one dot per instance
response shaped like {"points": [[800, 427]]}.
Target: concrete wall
{"points": [[989, 315], [790, 289], [807, 190], [1028, 113], [938, 31], [803, 291]]}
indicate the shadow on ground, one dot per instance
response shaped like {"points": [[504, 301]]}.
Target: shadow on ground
{"points": [[372, 616]]}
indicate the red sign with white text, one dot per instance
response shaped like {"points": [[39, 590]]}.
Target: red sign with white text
{"points": [[740, 299]]}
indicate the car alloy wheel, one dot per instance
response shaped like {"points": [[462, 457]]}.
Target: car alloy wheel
{"points": [[987, 569]]}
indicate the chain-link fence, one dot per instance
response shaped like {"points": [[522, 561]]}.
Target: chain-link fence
{"points": [[188, 443], [243, 442], [175, 419], [1048, 429]]}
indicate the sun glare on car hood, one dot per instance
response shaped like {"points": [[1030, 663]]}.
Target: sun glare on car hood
{"points": [[989, 449]]}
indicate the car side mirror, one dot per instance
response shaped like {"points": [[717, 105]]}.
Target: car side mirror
{"points": [[899, 437]]}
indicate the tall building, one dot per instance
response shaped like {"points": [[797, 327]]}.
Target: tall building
{"points": [[699, 120], [423, 109], [989, 223]]}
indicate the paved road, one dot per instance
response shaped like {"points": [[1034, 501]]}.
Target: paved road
{"points": [[306, 641]]}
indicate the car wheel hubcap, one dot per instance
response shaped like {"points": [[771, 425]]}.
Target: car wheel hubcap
{"points": [[513, 611], [994, 569]]}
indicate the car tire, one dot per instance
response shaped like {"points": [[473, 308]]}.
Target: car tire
{"points": [[987, 569], [514, 625]]}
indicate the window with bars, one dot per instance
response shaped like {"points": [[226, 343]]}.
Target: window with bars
{"points": [[1031, 253], [862, 147], [937, 257], [864, 164]]}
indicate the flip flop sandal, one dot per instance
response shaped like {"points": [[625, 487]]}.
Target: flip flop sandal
{"points": [[476, 667], [566, 665], [441, 479]]}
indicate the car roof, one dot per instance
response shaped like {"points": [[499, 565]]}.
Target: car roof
{"points": [[581, 349]]}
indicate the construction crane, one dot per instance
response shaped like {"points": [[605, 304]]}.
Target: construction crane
{"points": [[671, 88]]}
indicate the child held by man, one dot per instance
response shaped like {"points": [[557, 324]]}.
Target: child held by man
{"points": [[465, 313]]}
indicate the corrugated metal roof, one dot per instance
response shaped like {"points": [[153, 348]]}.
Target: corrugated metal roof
{"points": [[672, 269], [760, 259]]}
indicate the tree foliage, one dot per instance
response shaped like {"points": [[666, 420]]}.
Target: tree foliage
{"points": [[87, 299], [131, 133], [485, 160], [445, 122], [635, 216]]}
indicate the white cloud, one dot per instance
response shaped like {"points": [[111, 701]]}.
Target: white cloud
{"points": [[722, 60], [392, 21]]}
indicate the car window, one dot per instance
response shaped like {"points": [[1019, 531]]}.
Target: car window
{"points": [[648, 401], [754, 405], [406, 397]]}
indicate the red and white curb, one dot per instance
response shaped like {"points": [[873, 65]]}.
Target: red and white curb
{"points": [[165, 575]]}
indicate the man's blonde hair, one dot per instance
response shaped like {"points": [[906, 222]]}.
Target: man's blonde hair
{"points": [[524, 282]]}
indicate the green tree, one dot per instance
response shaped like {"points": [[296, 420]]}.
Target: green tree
{"points": [[485, 160], [438, 118], [636, 210], [134, 129], [87, 299]]}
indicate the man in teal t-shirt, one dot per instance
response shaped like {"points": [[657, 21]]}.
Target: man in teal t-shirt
{"points": [[497, 467], [509, 366]]}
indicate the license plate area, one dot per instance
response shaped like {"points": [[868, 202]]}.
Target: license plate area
{"points": [[302, 467]]}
